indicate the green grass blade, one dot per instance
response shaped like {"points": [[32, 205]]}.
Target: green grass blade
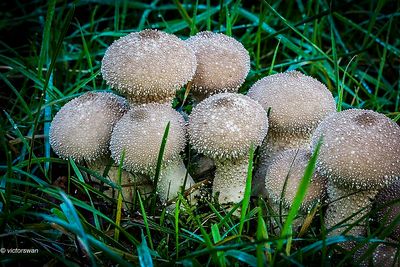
{"points": [[247, 191], [301, 192], [146, 223], [80, 177], [336, 70], [119, 198], [159, 165]]}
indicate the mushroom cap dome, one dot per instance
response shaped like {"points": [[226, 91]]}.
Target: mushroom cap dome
{"points": [[225, 125], [298, 102], [140, 132], [291, 165], [82, 128], [383, 198], [222, 63], [360, 149], [148, 66]]}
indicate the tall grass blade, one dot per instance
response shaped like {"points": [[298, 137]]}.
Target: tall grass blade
{"points": [[301, 192], [159, 166]]}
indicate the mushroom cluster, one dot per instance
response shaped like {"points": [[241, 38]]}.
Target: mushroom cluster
{"points": [[287, 114]]}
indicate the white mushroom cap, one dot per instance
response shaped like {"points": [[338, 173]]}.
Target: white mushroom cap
{"points": [[148, 66], [82, 128], [140, 133], [360, 150], [225, 125], [291, 165], [222, 63], [298, 102]]}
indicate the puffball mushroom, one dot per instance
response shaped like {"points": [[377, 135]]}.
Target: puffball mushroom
{"points": [[148, 66], [383, 255], [297, 104], [289, 167], [389, 211], [360, 154], [82, 129], [222, 64], [139, 133], [223, 127]]}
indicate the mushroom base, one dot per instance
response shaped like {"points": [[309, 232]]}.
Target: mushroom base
{"points": [[281, 215], [345, 203], [230, 179], [130, 184], [272, 145], [171, 180]]}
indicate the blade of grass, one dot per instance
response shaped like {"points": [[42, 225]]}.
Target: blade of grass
{"points": [[247, 191], [336, 70], [301, 192], [217, 238], [145, 259], [70, 213], [80, 177], [262, 250], [65, 27], [119, 198], [177, 210], [159, 166], [146, 223]]}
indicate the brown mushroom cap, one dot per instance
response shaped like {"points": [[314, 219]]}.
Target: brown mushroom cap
{"points": [[391, 212], [360, 150], [148, 66], [82, 128], [225, 125], [140, 132], [298, 102], [222, 63], [291, 165]]}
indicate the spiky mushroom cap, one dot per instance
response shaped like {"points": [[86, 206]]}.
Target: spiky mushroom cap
{"points": [[140, 132], [298, 102], [383, 255], [148, 66], [82, 128], [291, 165], [222, 63], [360, 150], [386, 255], [390, 212], [225, 125]]}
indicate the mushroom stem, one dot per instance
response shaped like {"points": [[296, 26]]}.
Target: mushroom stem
{"points": [[282, 215], [346, 203], [230, 179], [272, 145], [171, 180], [129, 182]]}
